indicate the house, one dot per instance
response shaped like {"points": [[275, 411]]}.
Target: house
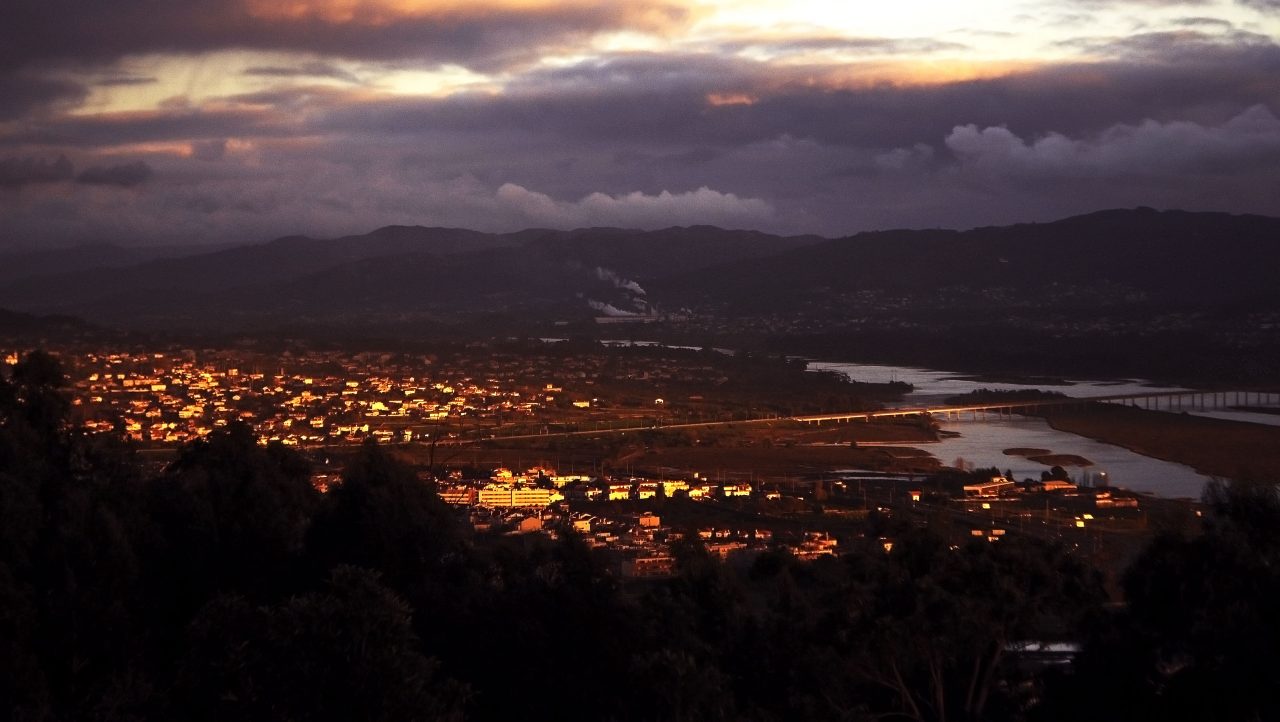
{"points": [[1056, 485], [497, 495], [526, 524], [1106, 499], [458, 495], [816, 544], [653, 566], [997, 486], [725, 548]]}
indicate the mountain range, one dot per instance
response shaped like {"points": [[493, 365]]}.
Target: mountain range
{"points": [[1140, 259]]}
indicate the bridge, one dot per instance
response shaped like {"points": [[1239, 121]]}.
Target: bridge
{"points": [[1155, 401], [1173, 401]]}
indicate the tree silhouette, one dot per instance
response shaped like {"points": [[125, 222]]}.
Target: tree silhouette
{"points": [[1199, 636], [347, 652], [383, 517], [934, 627], [230, 516]]}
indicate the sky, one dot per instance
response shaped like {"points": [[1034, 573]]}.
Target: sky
{"points": [[157, 122]]}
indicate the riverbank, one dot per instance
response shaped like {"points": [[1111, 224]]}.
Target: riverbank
{"points": [[1215, 447]]}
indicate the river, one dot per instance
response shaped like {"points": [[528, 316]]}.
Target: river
{"points": [[982, 442]]}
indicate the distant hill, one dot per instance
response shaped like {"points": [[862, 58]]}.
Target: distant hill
{"points": [[26, 327], [105, 288], [1174, 257], [1141, 260], [396, 269], [669, 252], [23, 263]]}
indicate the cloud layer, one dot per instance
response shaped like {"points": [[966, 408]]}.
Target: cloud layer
{"points": [[221, 120]]}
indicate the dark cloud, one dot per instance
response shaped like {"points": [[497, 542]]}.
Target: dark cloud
{"points": [[179, 123], [1168, 44], [663, 100], [861, 46], [1184, 118], [694, 156], [307, 70], [24, 96], [1147, 3], [24, 171], [1247, 142], [209, 150], [477, 35], [125, 175], [117, 80], [1263, 5], [1203, 22]]}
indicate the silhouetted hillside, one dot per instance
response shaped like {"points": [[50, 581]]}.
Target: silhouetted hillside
{"points": [[14, 324], [397, 268], [23, 263], [671, 251], [1127, 263], [177, 281], [1174, 257]]}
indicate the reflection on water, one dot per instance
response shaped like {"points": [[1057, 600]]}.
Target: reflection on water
{"points": [[933, 386], [1251, 417], [982, 442]]}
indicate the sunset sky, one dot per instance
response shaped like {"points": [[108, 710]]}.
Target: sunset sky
{"points": [[202, 121]]}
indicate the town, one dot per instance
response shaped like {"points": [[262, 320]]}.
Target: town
{"points": [[315, 397], [480, 425]]}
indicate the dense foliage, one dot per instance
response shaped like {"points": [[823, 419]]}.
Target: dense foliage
{"points": [[226, 588]]}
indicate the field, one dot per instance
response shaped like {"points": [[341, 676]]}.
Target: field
{"points": [[1215, 447]]}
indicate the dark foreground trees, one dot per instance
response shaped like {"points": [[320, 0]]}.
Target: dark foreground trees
{"points": [[344, 652], [225, 588], [1199, 638]]}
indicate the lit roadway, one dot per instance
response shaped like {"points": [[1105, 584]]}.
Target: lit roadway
{"points": [[1171, 401]]}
